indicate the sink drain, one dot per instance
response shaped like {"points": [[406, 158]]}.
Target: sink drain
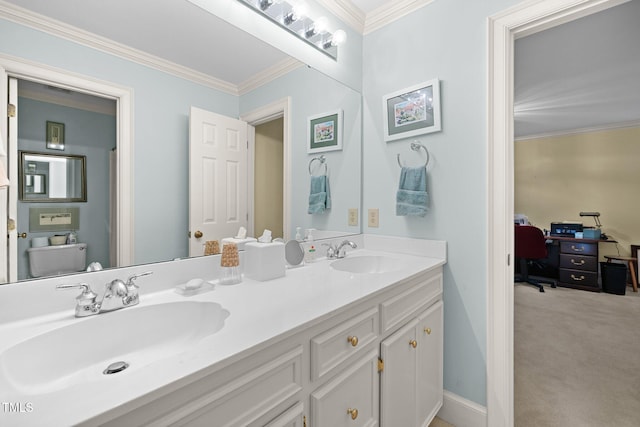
{"points": [[115, 367]]}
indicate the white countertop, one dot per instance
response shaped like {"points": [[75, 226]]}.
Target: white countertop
{"points": [[259, 312]]}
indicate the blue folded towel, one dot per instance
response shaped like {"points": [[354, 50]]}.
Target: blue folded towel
{"points": [[319, 195], [412, 198]]}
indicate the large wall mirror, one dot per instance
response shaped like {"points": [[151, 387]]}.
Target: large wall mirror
{"points": [[52, 178]]}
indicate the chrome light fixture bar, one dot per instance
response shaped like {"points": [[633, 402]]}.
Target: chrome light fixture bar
{"points": [[292, 18]]}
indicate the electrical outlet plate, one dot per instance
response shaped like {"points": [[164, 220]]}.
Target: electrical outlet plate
{"points": [[374, 217], [353, 216]]}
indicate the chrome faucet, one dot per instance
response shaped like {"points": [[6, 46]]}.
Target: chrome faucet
{"points": [[341, 251], [117, 295], [338, 251]]}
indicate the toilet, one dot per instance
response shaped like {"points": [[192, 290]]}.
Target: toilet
{"points": [[60, 259]]}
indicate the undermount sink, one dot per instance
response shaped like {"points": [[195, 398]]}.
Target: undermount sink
{"points": [[82, 351], [367, 264]]}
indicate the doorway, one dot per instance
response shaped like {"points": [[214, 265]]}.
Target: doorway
{"points": [[89, 124], [504, 28], [277, 114], [18, 69], [267, 180]]}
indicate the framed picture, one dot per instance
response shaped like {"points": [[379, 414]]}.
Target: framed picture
{"points": [[325, 132], [55, 135], [412, 111]]}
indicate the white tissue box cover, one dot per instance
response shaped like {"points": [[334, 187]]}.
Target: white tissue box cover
{"points": [[239, 242], [264, 261]]}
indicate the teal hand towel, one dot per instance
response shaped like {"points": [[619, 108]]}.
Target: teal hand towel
{"points": [[412, 198], [319, 194]]}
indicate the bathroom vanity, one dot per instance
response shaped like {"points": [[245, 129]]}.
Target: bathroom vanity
{"points": [[353, 342]]}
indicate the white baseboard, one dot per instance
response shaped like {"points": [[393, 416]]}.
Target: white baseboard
{"points": [[461, 412]]}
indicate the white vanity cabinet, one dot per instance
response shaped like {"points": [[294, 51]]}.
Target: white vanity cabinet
{"points": [[355, 366], [411, 382]]}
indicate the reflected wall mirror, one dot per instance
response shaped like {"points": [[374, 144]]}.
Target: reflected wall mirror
{"points": [[52, 178]]}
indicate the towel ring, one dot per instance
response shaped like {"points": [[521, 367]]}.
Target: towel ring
{"points": [[416, 146], [322, 161]]}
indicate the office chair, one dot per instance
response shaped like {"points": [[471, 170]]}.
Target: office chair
{"points": [[530, 245]]}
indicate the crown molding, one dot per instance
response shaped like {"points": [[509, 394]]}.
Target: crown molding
{"points": [[391, 11], [280, 69], [611, 126], [51, 26], [347, 12]]}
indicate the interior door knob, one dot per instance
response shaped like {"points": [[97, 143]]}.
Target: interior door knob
{"points": [[23, 235], [197, 234]]}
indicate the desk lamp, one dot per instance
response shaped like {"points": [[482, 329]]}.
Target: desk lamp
{"points": [[596, 218]]}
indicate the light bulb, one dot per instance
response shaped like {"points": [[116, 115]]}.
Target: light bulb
{"points": [[339, 37], [321, 24]]}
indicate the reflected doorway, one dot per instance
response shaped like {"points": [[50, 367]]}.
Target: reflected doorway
{"points": [[91, 132]]}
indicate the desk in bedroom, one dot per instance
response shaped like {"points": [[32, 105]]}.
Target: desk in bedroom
{"points": [[577, 262]]}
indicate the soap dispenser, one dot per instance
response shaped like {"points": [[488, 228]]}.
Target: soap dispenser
{"points": [[310, 252]]}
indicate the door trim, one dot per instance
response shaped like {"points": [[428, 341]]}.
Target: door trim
{"points": [[503, 29], [266, 113], [27, 70]]}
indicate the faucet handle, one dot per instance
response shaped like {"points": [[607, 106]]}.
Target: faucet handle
{"points": [[86, 301], [331, 250], [131, 278]]}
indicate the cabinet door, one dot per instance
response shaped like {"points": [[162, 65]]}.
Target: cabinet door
{"points": [[398, 379], [350, 399], [292, 417], [430, 368]]}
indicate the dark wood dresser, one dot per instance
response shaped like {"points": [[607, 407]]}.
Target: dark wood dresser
{"points": [[578, 266]]}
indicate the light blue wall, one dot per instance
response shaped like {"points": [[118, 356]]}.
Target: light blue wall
{"points": [[313, 93], [447, 40], [87, 134], [161, 129]]}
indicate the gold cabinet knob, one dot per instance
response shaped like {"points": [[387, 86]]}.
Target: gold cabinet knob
{"points": [[353, 413], [413, 343], [23, 235], [427, 331], [354, 342], [197, 234]]}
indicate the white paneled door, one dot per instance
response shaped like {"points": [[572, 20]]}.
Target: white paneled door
{"points": [[217, 178]]}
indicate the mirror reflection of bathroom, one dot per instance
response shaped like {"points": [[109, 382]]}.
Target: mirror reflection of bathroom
{"points": [[64, 219]]}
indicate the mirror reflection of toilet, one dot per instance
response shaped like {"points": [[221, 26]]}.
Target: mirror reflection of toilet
{"points": [[54, 260]]}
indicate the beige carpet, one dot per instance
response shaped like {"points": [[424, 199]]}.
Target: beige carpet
{"points": [[437, 422], [577, 358]]}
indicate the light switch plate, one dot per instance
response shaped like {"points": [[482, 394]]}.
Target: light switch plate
{"points": [[353, 216], [374, 217]]}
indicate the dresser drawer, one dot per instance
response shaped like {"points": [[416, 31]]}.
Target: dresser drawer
{"points": [[331, 348], [579, 248], [579, 262], [579, 277]]}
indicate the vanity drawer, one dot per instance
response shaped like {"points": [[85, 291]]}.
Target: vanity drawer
{"points": [[332, 347], [579, 277], [397, 310], [579, 248], [578, 262]]}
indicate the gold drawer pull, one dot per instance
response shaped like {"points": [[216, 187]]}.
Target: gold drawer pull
{"points": [[354, 342], [413, 343], [577, 249], [577, 263], [427, 331], [353, 413], [577, 279]]}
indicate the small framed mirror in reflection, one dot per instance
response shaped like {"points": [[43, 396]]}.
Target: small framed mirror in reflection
{"points": [[52, 178]]}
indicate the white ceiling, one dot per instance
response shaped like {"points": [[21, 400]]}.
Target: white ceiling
{"points": [[583, 74]]}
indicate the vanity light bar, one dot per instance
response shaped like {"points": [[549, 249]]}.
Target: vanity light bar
{"points": [[293, 19]]}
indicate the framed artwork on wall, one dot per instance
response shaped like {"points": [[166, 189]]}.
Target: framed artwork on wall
{"points": [[325, 132], [55, 136], [412, 111]]}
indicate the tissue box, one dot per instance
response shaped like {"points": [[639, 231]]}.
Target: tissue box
{"points": [[264, 261], [239, 242], [591, 233]]}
